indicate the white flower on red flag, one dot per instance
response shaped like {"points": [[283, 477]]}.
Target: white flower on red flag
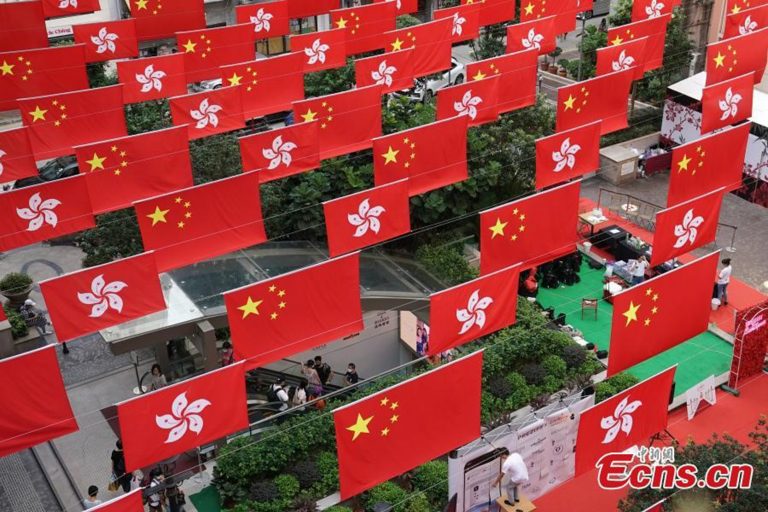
{"points": [[623, 62], [747, 26], [280, 152], [366, 218], [566, 156], [458, 21], [729, 105], [383, 75], [316, 52], [261, 21], [104, 41], [620, 420], [654, 9], [63, 4], [2, 154], [151, 79], [688, 230], [474, 314], [103, 296], [206, 114], [533, 40], [468, 105], [183, 417], [39, 212]]}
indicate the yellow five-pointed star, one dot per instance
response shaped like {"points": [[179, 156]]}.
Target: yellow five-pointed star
{"points": [[617, 41], [360, 426], [479, 76], [189, 46], [6, 68], [341, 23], [141, 4], [251, 307], [719, 58], [97, 162], [397, 45], [529, 8], [631, 313], [569, 102], [736, 9], [682, 165], [390, 155], [158, 215], [234, 79], [38, 114], [309, 116], [498, 228]]}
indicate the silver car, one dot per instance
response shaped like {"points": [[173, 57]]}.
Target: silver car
{"points": [[425, 88]]}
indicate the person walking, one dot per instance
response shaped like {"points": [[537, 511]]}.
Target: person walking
{"points": [[517, 473], [119, 475], [157, 379], [723, 278], [90, 501]]}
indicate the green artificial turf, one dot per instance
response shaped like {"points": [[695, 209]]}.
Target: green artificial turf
{"points": [[206, 500]]}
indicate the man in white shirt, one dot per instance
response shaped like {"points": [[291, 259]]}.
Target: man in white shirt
{"points": [[278, 389], [637, 270], [91, 501], [516, 472], [723, 278]]}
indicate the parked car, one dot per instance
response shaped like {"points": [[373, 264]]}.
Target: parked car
{"points": [[599, 8], [62, 167], [424, 89]]}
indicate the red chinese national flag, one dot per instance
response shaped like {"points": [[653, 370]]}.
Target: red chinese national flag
{"points": [[348, 120], [16, 159], [465, 20], [476, 308], [661, 313], [131, 502], [516, 74], [121, 171], [726, 103], [293, 312], [367, 218], [59, 122], [746, 21], [282, 152], [365, 26], [655, 29], [412, 422], [403, 6], [527, 231], [23, 26], [393, 71], [183, 416], [626, 419], [160, 19], [56, 8], [737, 56], [50, 210], [567, 155], [39, 72], [267, 19], [95, 298], [647, 9], [622, 56], [494, 11], [565, 20], [430, 156], [202, 222], [603, 98], [321, 50], [306, 8], [478, 100], [267, 85], [737, 6], [152, 78], [34, 402], [431, 43], [538, 34], [208, 113], [686, 226], [205, 50], [108, 41], [702, 165]]}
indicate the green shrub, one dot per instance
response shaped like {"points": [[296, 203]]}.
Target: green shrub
{"points": [[306, 473], [432, 479], [287, 486], [446, 262], [500, 387], [555, 367], [521, 392], [533, 373], [604, 390], [420, 503], [15, 282], [264, 491], [616, 384], [386, 493], [328, 466], [19, 327], [338, 508], [574, 356]]}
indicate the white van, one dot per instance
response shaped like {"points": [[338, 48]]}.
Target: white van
{"points": [[599, 8]]}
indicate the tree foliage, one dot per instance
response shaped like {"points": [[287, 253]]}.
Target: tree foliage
{"points": [[115, 236]]}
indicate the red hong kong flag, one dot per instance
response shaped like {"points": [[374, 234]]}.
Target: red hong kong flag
{"points": [[655, 29], [23, 26], [121, 171], [726, 103], [296, 311], [321, 50], [537, 34], [50, 210], [403, 6], [206, 50], [348, 120], [109, 40], [131, 502], [526, 230], [183, 416], [627, 419], [42, 71], [56, 8], [393, 71], [686, 226], [476, 308], [365, 26], [494, 11], [622, 56], [208, 113], [661, 312], [201, 222], [431, 43], [16, 159], [647, 9], [367, 218], [746, 21], [702, 166], [152, 78], [160, 19], [516, 74], [409, 422], [95, 298], [602, 98], [430, 156], [267, 19], [567, 155], [282, 152], [736, 56], [267, 85], [465, 21], [478, 100], [737, 6], [34, 402], [306, 8]]}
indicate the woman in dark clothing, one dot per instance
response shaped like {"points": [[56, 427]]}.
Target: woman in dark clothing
{"points": [[118, 467]]}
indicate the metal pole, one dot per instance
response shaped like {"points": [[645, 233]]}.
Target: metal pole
{"points": [[581, 42]]}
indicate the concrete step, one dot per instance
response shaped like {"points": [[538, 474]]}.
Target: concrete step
{"points": [[58, 477]]}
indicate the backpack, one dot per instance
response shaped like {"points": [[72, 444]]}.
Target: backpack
{"points": [[272, 393]]}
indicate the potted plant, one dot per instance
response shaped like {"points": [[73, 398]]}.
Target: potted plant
{"points": [[554, 54], [16, 287]]}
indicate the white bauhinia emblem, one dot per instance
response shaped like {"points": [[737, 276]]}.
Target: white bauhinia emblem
{"points": [[566, 156], [468, 105], [2, 154], [39, 212], [747, 26], [366, 218], [654, 9], [620, 420], [316, 52], [383, 75], [729, 105], [103, 296], [151, 79], [623, 62], [261, 21], [280, 152], [63, 4], [533, 40], [474, 314], [184, 416], [688, 230], [206, 114], [104, 41], [458, 23]]}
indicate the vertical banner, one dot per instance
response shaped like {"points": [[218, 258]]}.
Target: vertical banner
{"points": [[749, 344]]}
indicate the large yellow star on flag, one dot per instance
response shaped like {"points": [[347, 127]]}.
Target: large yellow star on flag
{"points": [[158, 215], [250, 307], [617, 40], [719, 58], [234, 79], [631, 313], [736, 9], [341, 23], [309, 115], [97, 162], [189, 46], [498, 228], [38, 114], [529, 8], [360, 426], [479, 75], [397, 45], [6, 68], [682, 165], [569, 102], [141, 4], [390, 155]]}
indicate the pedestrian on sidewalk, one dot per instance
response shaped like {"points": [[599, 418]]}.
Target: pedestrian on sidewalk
{"points": [[91, 501], [119, 475], [157, 500], [157, 379], [723, 278]]}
